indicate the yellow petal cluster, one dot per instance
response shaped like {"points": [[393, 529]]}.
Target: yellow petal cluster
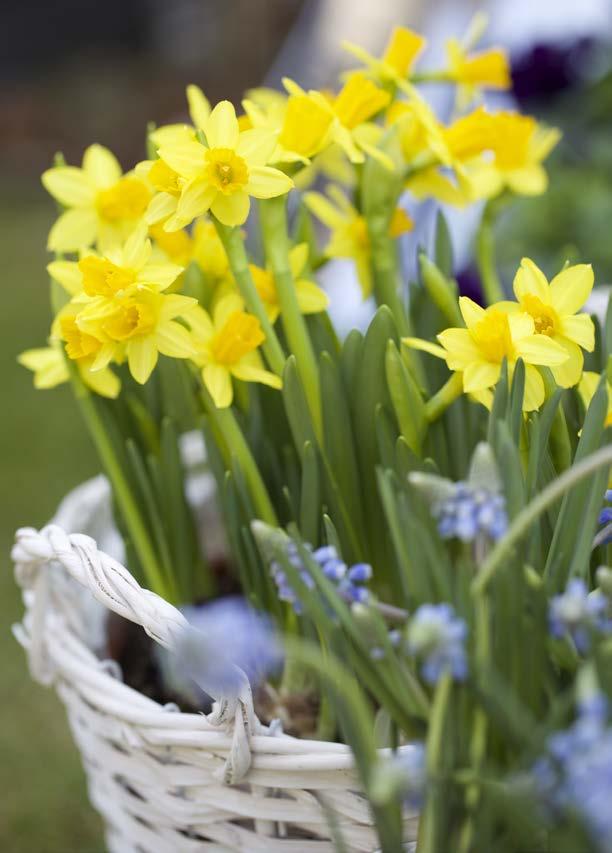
{"points": [[542, 328]]}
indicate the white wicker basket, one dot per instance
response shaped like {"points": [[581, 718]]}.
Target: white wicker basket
{"points": [[159, 777]]}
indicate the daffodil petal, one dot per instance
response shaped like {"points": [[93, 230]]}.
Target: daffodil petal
{"points": [[137, 248], [480, 375], [571, 288], [103, 357], [267, 182], [568, 374], [101, 166], [310, 297], [225, 307], [103, 382], [256, 146], [425, 346], [222, 129], [142, 357], [231, 209], [219, 384], [48, 365], [540, 349], [160, 207], [248, 373], [195, 199], [68, 274], [471, 312], [74, 230], [530, 280], [176, 305], [534, 389], [200, 323], [174, 340], [460, 350], [521, 325], [159, 276], [70, 186], [580, 329], [531, 180], [199, 106], [298, 256], [323, 209], [186, 156]]}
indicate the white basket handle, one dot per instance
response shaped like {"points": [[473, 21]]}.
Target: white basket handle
{"points": [[113, 585]]}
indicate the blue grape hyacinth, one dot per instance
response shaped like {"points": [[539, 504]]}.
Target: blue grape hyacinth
{"points": [[437, 637], [470, 511], [349, 580], [575, 777], [225, 639], [578, 613]]}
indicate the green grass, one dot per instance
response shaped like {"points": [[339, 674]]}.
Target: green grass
{"points": [[44, 451]]}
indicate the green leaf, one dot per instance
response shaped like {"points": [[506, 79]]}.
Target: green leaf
{"points": [[296, 406], [572, 513], [310, 503], [443, 247], [406, 398], [442, 290]]}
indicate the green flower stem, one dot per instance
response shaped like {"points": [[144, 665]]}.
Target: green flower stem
{"points": [[442, 399], [526, 517], [385, 272], [239, 265], [123, 495], [273, 214], [478, 741], [225, 424], [485, 255], [431, 77], [431, 828]]}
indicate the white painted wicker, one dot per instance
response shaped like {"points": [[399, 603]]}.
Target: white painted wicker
{"points": [[166, 781]]}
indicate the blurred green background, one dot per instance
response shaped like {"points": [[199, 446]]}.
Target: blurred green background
{"points": [[102, 82]]}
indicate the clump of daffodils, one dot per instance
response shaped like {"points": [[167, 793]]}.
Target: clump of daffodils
{"points": [[458, 503]]}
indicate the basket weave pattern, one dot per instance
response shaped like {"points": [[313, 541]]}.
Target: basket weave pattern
{"points": [[166, 781]]}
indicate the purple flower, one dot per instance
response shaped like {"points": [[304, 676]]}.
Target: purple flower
{"points": [[575, 777], [437, 637], [349, 581], [469, 511], [225, 639], [578, 613]]}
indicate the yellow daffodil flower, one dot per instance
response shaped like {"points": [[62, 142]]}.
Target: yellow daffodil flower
{"points": [[120, 271], [301, 123], [138, 327], [349, 232], [519, 147], [492, 335], [554, 308], [167, 183], [487, 68], [474, 71], [227, 346], [400, 54], [222, 174], [49, 363], [103, 206], [311, 299], [350, 110]]}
